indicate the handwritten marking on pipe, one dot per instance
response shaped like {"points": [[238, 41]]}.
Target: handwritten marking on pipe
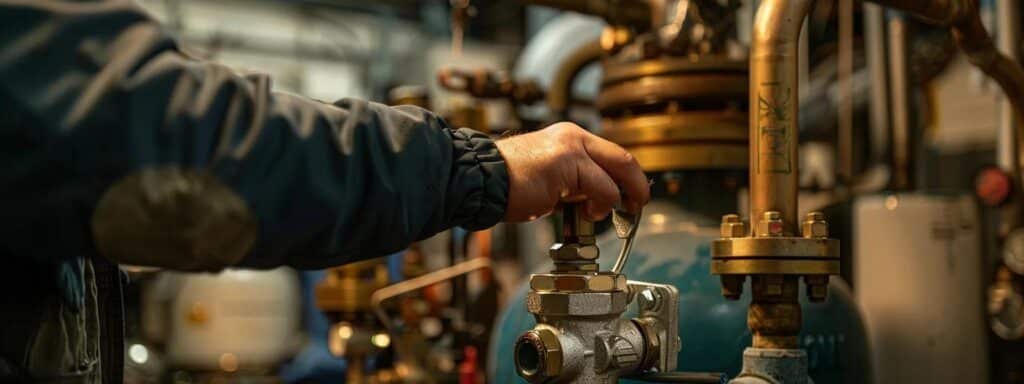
{"points": [[775, 126]]}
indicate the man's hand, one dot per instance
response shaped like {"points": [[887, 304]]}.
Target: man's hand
{"points": [[565, 163]]}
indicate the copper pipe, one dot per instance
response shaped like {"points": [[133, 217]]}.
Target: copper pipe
{"points": [[903, 145], [438, 276], [1007, 37], [774, 109], [845, 71]]}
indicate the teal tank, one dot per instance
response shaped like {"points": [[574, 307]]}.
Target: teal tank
{"points": [[671, 247]]}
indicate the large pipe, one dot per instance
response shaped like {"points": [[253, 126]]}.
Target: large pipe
{"points": [[774, 110], [903, 146], [874, 48], [1007, 37]]}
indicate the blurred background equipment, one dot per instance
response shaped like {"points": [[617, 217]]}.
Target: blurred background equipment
{"points": [[907, 150]]}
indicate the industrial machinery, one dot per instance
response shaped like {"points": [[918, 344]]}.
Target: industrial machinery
{"points": [[676, 98], [355, 334], [580, 335]]}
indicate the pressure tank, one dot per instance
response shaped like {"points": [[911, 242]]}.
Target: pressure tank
{"points": [[673, 246], [233, 321]]}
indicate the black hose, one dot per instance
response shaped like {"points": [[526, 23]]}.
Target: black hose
{"points": [[682, 377]]}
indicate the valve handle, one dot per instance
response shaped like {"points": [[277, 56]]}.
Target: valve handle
{"points": [[626, 225]]}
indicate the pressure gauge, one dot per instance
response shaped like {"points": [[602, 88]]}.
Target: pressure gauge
{"points": [[1006, 306], [1013, 251]]}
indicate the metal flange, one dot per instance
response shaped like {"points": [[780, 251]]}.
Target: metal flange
{"points": [[768, 248], [767, 266], [775, 255], [771, 251]]}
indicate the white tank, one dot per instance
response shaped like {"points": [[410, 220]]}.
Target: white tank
{"points": [[917, 272], [234, 321]]}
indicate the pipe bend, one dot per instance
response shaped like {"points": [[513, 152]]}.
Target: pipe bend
{"points": [[779, 21]]}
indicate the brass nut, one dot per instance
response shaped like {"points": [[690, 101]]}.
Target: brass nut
{"points": [[577, 303], [584, 282], [772, 285], [732, 286], [815, 226], [538, 354], [571, 252], [732, 227], [770, 225]]}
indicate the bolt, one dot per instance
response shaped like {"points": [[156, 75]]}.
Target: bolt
{"points": [[771, 224], [732, 226], [732, 286], [772, 285], [814, 226], [817, 287], [649, 300]]}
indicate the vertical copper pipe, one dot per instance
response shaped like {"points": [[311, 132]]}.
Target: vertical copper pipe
{"points": [[902, 135], [845, 137], [774, 104], [874, 47], [1007, 38]]}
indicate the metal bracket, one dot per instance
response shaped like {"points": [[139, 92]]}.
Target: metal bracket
{"points": [[658, 306]]}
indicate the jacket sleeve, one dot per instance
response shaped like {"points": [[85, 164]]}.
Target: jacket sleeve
{"points": [[107, 101]]}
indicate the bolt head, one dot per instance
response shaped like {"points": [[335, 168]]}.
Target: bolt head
{"points": [[771, 224], [814, 226], [649, 300], [733, 227]]}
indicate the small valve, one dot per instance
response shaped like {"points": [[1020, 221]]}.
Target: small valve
{"points": [[580, 335]]}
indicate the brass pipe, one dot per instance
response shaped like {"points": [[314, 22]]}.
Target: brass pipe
{"points": [[441, 275], [774, 110], [904, 146]]}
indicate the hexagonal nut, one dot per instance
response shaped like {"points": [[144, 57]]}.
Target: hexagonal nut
{"points": [[576, 304], [732, 286], [815, 229], [769, 228], [538, 354], [732, 230], [570, 252], [578, 282]]}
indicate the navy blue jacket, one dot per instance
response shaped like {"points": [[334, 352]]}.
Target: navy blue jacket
{"points": [[116, 143], [94, 92]]}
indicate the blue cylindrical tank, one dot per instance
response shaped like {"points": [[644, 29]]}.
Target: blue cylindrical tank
{"points": [[674, 246]]}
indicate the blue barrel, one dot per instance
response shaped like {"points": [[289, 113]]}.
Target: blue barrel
{"points": [[672, 248]]}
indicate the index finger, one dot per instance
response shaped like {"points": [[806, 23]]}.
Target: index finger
{"points": [[623, 169]]}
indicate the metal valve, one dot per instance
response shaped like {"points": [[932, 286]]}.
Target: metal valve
{"points": [[580, 336]]}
